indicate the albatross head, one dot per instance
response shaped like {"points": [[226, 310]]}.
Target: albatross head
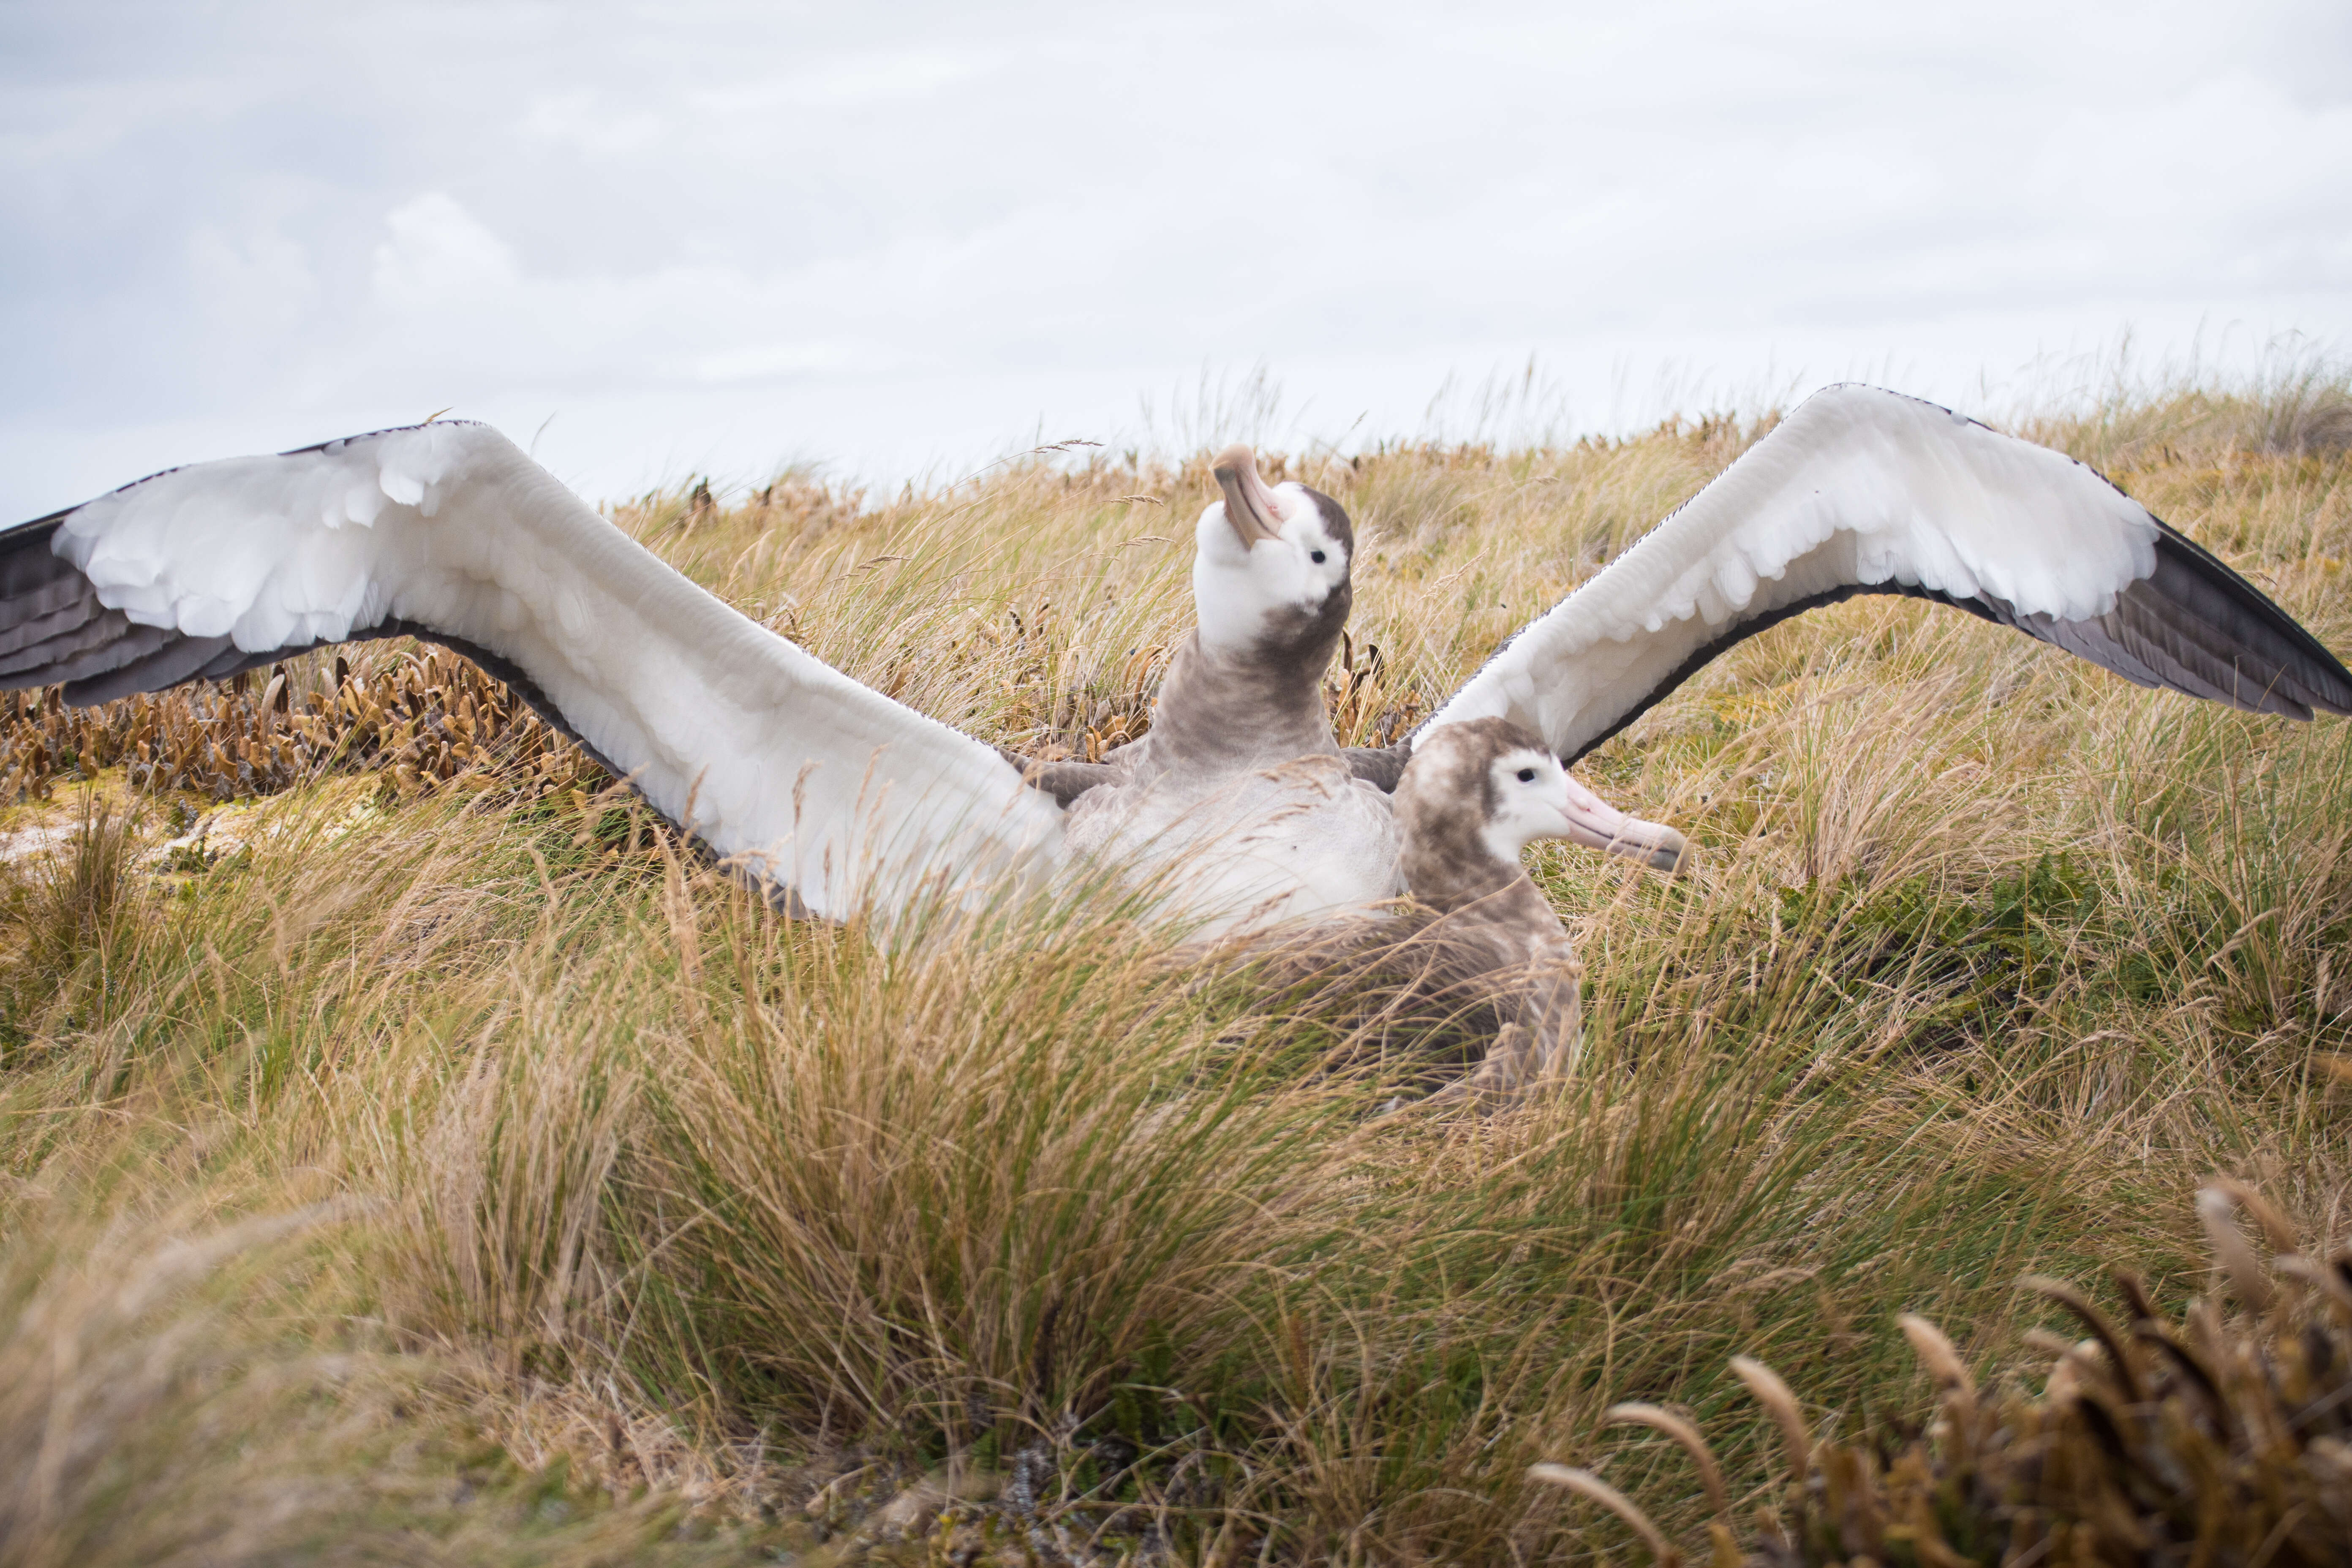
{"points": [[1270, 566], [1478, 791]]}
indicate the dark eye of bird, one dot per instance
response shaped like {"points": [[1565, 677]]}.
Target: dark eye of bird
{"points": [[1317, 558], [1526, 775]]}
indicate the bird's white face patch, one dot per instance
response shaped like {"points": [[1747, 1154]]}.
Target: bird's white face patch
{"points": [[1531, 793], [1534, 797], [1243, 593]]}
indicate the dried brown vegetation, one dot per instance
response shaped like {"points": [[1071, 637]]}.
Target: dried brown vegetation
{"points": [[415, 718], [656, 1227], [2222, 1439]]}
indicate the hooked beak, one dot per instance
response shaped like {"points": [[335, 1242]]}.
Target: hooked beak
{"points": [[1595, 824], [1249, 505]]}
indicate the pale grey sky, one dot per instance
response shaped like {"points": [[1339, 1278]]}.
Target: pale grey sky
{"points": [[670, 238]]}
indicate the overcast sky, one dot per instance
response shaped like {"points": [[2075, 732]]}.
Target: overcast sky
{"points": [[670, 238]]}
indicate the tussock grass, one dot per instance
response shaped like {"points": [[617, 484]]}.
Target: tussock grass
{"points": [[2220, 1438], [653, 1224]]}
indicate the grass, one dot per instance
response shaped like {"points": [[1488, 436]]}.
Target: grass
{"points": [[437, 1165]]}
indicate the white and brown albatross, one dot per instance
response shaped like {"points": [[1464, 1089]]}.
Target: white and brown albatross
{"points": [[1474, 795], [829, 792]]}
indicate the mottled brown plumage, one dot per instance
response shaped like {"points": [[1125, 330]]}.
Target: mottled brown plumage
{"points": [[1486, 927]]}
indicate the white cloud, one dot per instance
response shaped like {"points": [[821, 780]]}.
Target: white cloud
{"points": [[437, 256], [730, 233], [582, 121], [860, 78], [263, 276], [772, 361]]}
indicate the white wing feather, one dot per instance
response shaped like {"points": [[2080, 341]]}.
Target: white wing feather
{"points": [[1858, 486], [765, 751]]}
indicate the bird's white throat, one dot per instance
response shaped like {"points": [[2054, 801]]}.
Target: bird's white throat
{"points": [[1246, 592]]}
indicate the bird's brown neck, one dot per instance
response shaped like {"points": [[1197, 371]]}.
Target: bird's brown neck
{"points": [[1218, 715], [1446, 865], [1440, 805], [1488, 914]]}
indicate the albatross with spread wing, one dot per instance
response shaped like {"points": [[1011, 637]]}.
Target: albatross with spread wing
{"points": [[834, 794]]}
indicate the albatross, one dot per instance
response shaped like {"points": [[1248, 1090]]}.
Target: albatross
{"points": [[1473, 795], [838, 799]]}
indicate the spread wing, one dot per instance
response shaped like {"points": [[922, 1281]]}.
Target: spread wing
{"points": [[1865, 491], [447, 532]]}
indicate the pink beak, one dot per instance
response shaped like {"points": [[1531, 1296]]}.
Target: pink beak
{"points": [[1249, 505], [1597, 825]]}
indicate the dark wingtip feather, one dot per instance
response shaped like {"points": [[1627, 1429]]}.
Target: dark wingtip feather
{"points": [[29, 565], [49, 615], [177, 659], [2265, 659], [53, 631]]}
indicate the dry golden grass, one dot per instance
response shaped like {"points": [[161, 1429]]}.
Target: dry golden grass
{"points": [[2222, 1438], [457, 1172]]}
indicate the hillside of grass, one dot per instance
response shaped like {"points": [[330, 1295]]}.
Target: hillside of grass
{"points": [[409, 1153]]}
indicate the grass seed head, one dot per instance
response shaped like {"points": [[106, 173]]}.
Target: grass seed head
{"points": [[1796, 1443]]}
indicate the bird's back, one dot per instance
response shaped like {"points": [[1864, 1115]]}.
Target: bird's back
{"points": [[1301, 840]]}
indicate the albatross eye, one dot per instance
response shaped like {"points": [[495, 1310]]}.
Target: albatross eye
{"points": [[1317, 557], [1526, 775]]}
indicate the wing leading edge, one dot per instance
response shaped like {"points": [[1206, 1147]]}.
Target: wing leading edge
{"points": [[1865, 491], [447, 531]]}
